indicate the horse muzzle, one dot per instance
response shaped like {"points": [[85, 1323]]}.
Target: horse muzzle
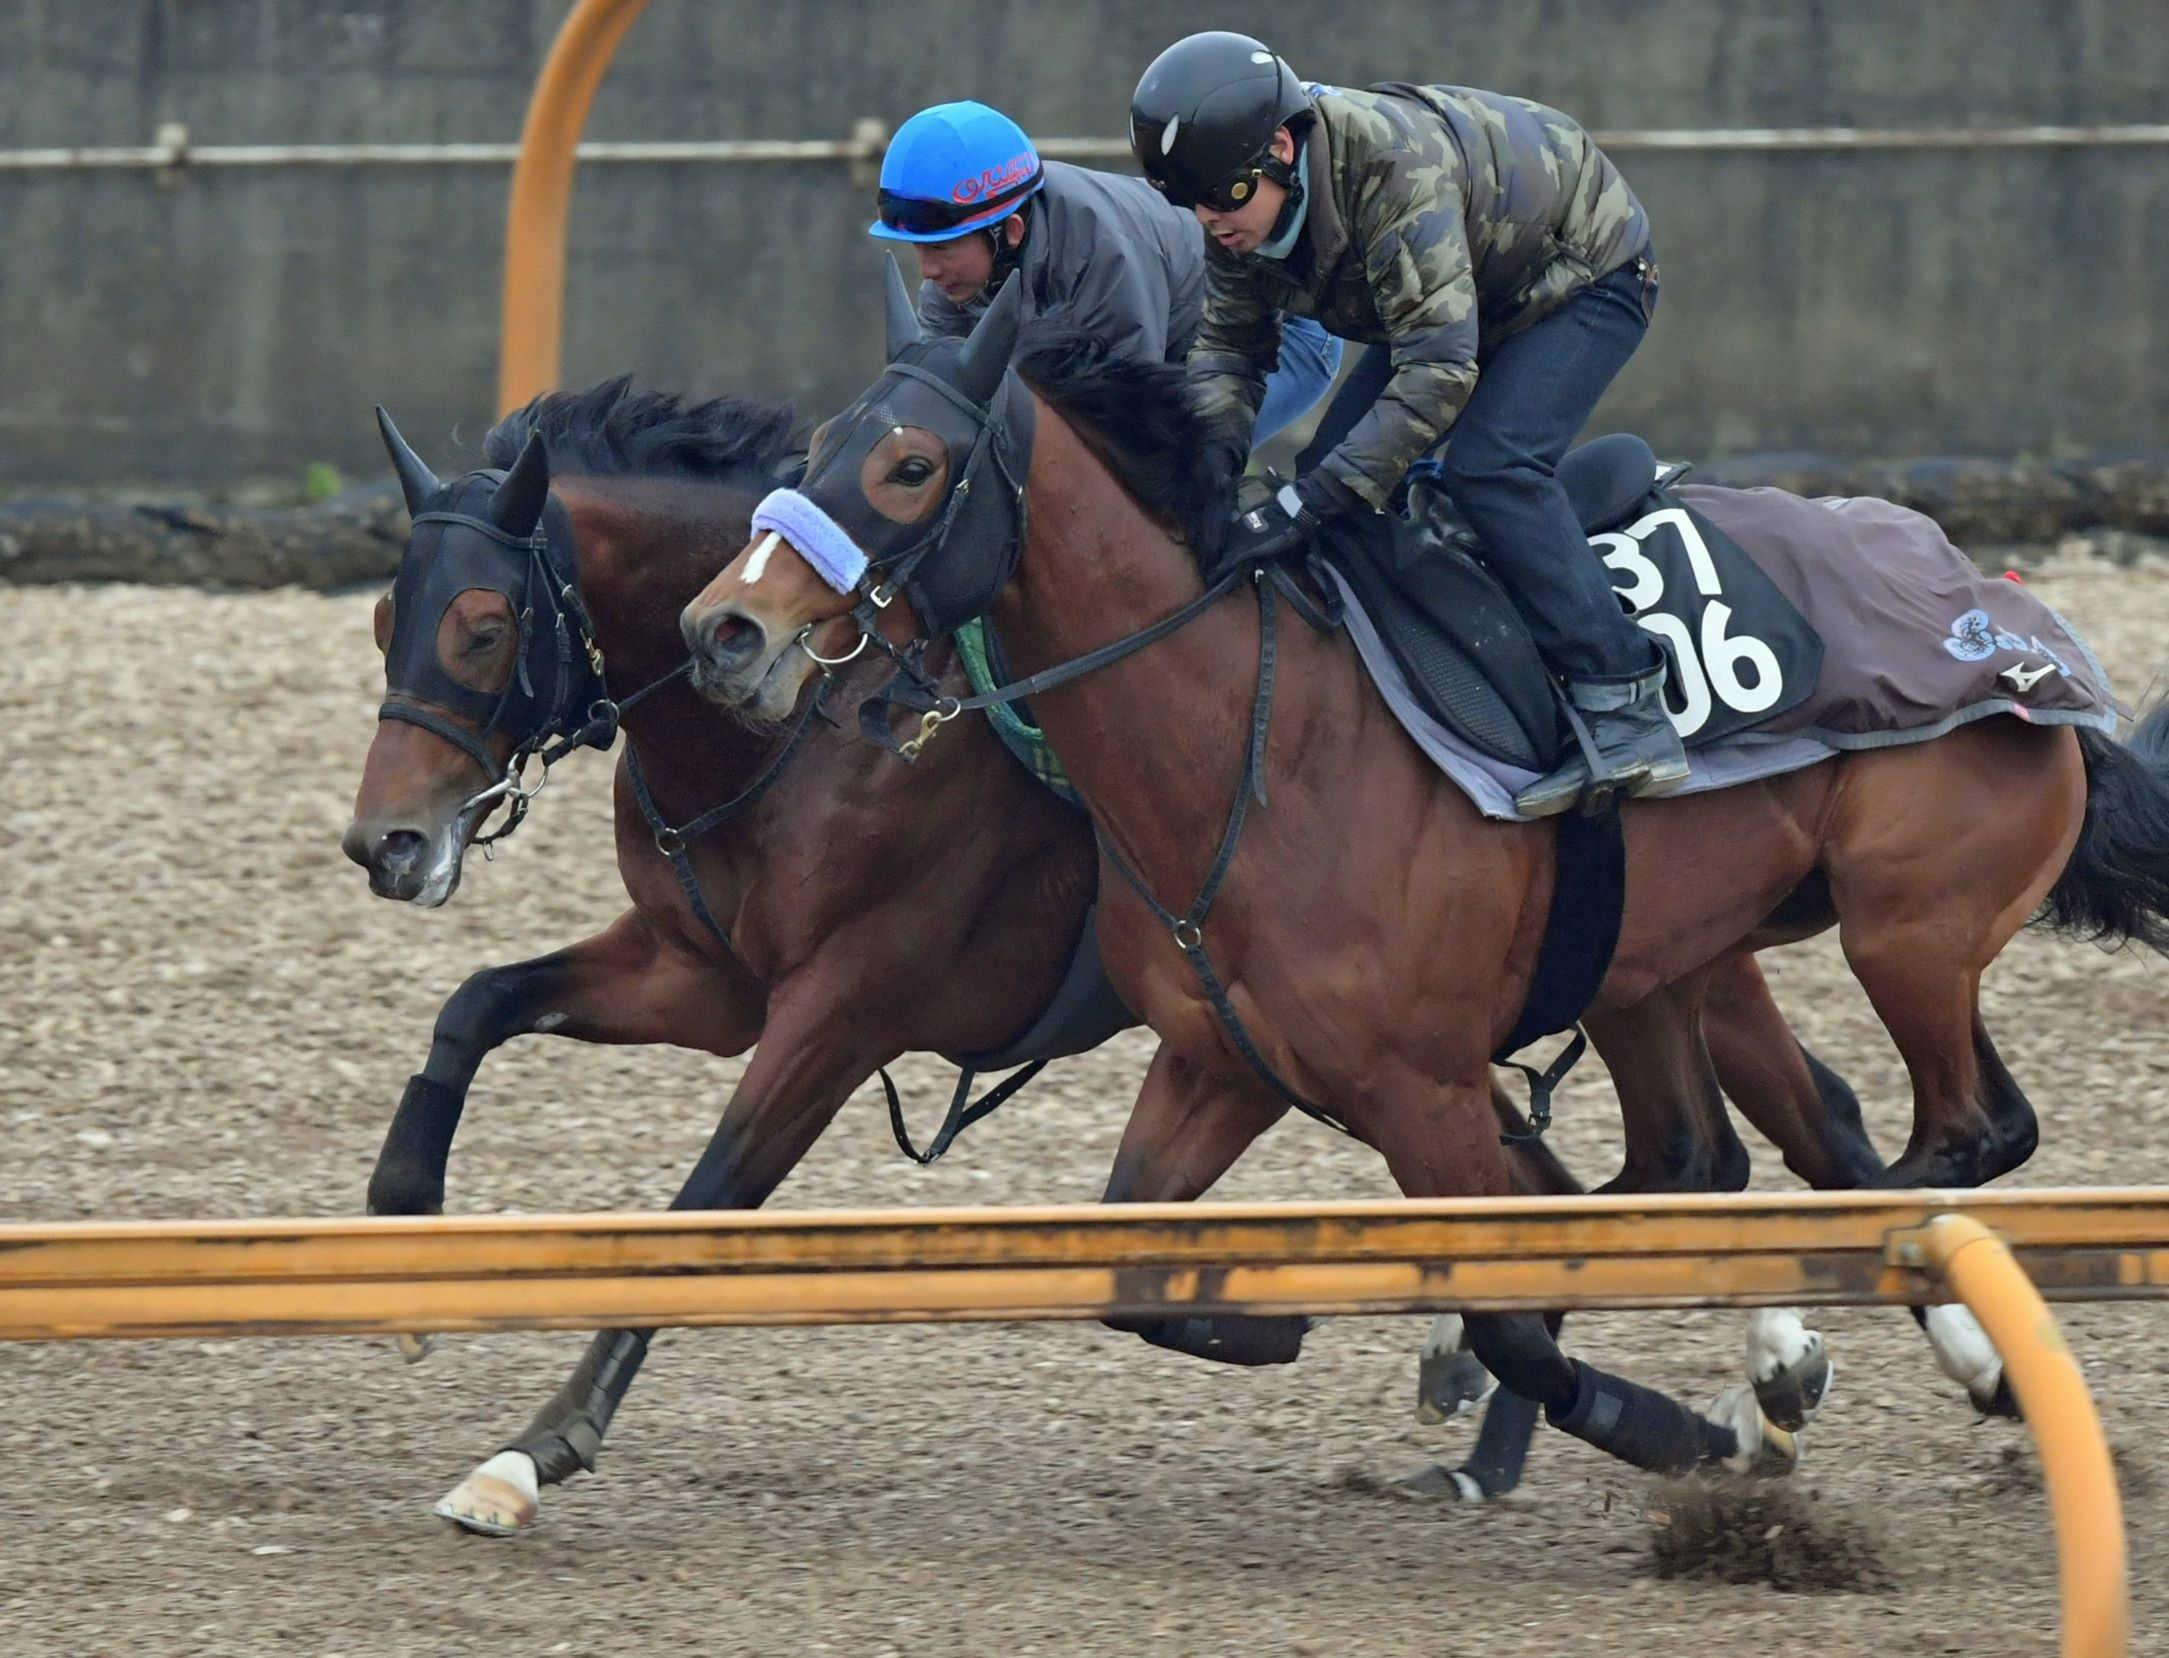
{"points": [[733, 658], [404, 864]]}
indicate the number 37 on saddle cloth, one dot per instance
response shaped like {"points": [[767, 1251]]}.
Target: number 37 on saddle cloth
{"points": [[1794, 627]]}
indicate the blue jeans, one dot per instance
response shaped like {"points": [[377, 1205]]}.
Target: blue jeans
{"points": [[1532, 398], [1309, 358]]}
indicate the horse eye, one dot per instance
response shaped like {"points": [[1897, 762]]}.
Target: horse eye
{"points": [[912, 471]]}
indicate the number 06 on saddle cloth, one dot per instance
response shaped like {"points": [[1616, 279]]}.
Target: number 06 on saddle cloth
{"points": [[1794, 627]]}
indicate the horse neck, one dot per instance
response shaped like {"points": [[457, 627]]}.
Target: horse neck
{"points": [[1166, 726], [645, 548]]}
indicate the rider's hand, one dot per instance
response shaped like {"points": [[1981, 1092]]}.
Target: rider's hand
{"points": [[1283, 521]]}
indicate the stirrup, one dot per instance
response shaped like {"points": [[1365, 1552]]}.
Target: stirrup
{"points": [[1565, 785]]}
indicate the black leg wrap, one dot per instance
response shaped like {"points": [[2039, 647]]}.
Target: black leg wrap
{"points": [[1228, 1339], [567, 1432], [1502, 1444], [409, 1176], [1639, 1425]]}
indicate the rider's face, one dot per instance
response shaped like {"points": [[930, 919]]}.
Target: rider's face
{"points": [[964, 265], [1241, 229]]}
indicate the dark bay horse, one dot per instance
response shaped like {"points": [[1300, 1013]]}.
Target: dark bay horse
{"points": [[821, 884], [840, 891], [1369, 937]]}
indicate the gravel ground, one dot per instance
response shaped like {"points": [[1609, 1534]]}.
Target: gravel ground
{"points": [[206, 1014]]}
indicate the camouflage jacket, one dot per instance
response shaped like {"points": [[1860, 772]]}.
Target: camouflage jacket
{"points": [[1441, 220]]}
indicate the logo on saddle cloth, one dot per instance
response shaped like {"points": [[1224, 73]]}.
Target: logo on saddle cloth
{"points": [[1973, 638], [1740, 652]]}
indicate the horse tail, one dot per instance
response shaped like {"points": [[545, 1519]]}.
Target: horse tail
{"points": [[2116, 886]]}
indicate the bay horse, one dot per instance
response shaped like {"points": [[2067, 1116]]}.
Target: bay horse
{"points": [[1367, 938], [811, 921]]}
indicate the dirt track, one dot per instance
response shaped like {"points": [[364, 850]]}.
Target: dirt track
{"points": [[205, 1014]]}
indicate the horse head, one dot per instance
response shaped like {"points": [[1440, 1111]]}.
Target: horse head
{"points": [[487, 654], [910, 508]]}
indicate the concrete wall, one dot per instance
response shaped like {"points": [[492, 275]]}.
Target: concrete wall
{"points": [[239, 323]]}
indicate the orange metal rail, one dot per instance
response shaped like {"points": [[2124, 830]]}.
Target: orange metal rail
{"points": [[542, 192], [349, 1276], [74, 1280]]}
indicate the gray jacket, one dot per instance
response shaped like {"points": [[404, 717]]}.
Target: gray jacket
{"points": [[1106, 254]]}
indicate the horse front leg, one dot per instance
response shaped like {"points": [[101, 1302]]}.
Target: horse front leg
{"points": [[811, 1058], [1451, 1380], [624, 985], [1187, 1129]]}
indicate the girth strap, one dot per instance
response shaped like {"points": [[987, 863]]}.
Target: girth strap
{"points": [[960, 1116]]}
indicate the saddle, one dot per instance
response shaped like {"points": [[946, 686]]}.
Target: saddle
{"points": [[1456, 635]]}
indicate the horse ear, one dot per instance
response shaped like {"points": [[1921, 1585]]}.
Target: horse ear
{"points": [[416, 482], [904, 329], [986, 354], [516, 508]]}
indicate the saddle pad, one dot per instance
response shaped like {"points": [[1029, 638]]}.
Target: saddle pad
{"points": [[1918, 640], [1852, 622], [1740, 651]]}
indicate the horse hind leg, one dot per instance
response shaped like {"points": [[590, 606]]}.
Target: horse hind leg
{"points": [[1962, 1348], [1444, 1145], [1795, 1101]]}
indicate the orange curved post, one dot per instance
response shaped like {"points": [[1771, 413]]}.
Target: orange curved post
{"points": [[541, 191], [1983, 1274]]}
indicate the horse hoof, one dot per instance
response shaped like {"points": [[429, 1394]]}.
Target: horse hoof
{"points": [[1791, 1398], [1969, 1358], [1763, 1450], [499, 1499], [1791, 1372], [1450, 1385], [2000, 1401], [1436, 1483], [414, 1349]]}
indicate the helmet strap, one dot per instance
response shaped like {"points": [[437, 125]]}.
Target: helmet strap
{"points": [[1289, 179], [1007, 258]]}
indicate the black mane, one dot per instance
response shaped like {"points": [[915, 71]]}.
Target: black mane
{"points": [[612, 431], [1143, 419]]}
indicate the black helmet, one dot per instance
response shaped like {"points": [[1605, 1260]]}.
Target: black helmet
{"points": [[1203, 116]]}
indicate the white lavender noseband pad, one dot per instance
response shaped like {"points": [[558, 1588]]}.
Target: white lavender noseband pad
{"points": [[820, 540]]}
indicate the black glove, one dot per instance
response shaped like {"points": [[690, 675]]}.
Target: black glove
{"points": [[1274, 527], [1221, 468]]}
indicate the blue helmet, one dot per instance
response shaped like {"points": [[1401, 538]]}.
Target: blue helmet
{"points": [[951, 169]]}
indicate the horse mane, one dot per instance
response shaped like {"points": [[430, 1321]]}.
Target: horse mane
{"points": [[612, 431], [1142, 419]]}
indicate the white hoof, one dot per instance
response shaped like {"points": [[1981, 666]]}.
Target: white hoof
{"points": [[499, 1499], [1438, 1484], [1966, 1355], [1786, 1362], [414, 1349], [1450, 1381], [1765, 1450]]}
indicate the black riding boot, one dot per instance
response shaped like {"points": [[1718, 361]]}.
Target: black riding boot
{"points": [[1625, 743]]}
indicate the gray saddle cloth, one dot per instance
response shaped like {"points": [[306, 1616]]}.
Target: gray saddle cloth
{"points": [[1916, 641]]}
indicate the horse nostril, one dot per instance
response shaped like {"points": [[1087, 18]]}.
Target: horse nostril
{"points": [[398, 851], [734, 637]]}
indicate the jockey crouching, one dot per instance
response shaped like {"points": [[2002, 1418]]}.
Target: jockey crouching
{"points": [[1500, 269], [1100, 252]]}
